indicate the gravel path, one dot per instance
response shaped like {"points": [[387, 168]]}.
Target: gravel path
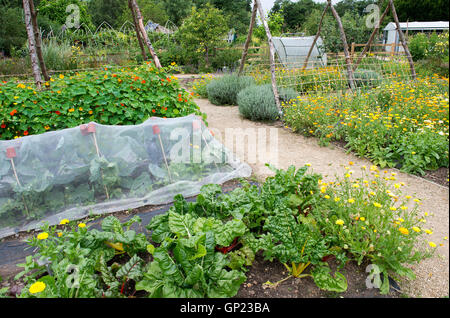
{"points": [[432, 274]]}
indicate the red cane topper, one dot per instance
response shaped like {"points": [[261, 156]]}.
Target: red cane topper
{"points": [[83, 129], [91, 128], [196, 125], [156, 130], [11, 152]]}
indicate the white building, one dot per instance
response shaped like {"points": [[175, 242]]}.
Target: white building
{"points": [[390, 34]]}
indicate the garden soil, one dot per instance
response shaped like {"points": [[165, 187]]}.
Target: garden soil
{"points": [[294, 149]]}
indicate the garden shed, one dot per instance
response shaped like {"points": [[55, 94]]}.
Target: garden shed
{"points": [[292, 51], [390, 35]]}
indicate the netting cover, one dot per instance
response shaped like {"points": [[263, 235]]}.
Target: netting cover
{"points": [[98, 169], [292, 51]]}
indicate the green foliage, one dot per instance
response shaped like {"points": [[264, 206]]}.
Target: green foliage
{"points": [[294, 14], [12, 33], [111, 97], [224, 90], [187, 265], [203, 31], [258, 102], [367, 78], [56, 10], [431, 53]]}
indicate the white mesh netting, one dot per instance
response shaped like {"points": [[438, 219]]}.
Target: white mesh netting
{"points": [[98, 169]]}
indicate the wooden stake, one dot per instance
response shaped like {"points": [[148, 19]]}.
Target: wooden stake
{"points": [[272, 55], [136, 28], [348, 61], [164, 156], [316, 37], [249, 39], [372, 36], [144, 33], [98, 154], [402, 39], [37, 38], [32, 44]]}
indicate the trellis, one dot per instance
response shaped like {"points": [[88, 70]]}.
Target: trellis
{"points": [[349, 66]]}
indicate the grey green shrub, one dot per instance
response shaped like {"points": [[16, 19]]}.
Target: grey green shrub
{"points": [[258, 102], [224, 90]]}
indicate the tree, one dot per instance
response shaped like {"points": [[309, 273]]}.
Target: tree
{"points": [[424, 10], [151, 10], [204, 30], [12, 33], [57, 10], [109, 11], [177, 10], [295, 13]]}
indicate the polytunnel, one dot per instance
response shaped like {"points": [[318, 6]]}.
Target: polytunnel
{"points": [[99, 169], [292, 51]]}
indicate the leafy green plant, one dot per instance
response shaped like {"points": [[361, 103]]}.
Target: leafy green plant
{"points": [[186, 264]]}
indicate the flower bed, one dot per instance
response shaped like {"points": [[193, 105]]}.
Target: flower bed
{"points": [[204, 249], [403, 125], [125, 96]]}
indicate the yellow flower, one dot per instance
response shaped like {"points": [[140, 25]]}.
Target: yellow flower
{"points": [[61, 76], [64, 221], [376, 204], [308, 165], [372, 193], [404, 207], [362, 218], [416, 229], [336, 199], [373, 168], [347, 175], [432, 244], [355, 185], [81, 225], [351, 200], [327, 197], [59, 234], [323, 189], [404, 231], [37, 287], [71, 110], [428, 231], [339, 222], [42, 236], [393, 208]]}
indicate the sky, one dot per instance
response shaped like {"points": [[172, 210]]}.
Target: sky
{"points": [[268, 4]]}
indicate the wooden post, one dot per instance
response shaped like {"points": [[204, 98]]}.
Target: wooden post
{"points": [[32, 44], [272, 55], [402, 39], [372, 36], [38, 40], [348, 62], [137, 11], [316, 37], [352, 51], [249, 39], [138, 34]]}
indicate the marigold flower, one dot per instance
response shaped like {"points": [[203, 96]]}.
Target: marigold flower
{"points": [[429, 232], [376, 204], [339, 222], [81, 225], [64, 222], [404, 231], [416, 229], [37, 287], [432, 244], [42, 236], [351, 200]]}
